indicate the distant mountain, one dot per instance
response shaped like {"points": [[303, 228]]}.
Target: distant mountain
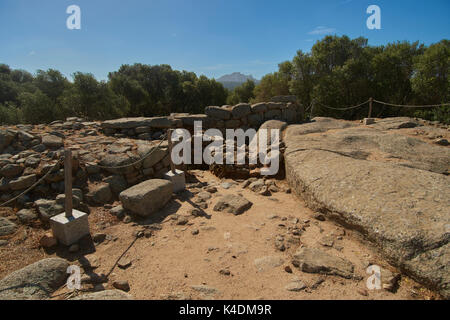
{"points": [[231, 81]]}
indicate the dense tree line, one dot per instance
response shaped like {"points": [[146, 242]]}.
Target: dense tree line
{"points": [[136, 90], [338, 72], [341, 72]]}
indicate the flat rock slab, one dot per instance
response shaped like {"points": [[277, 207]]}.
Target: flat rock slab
{"points": [[402, 208], [268, 263], [232, 203], [147, 197], [36, 281], [316, 261]]}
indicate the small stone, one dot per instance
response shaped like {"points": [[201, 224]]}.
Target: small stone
{"points": [[48, 241], [226, 185], [99, 238], [124, 263], [211, 189], [148, 233], [121, 285], [296, 286], [264, 191], [225, 272], [127, 219], [182, 220], [195, 232], [442, 142], [319, 216], [362, 292], [196, 212], [273, 188], [288, 269]]}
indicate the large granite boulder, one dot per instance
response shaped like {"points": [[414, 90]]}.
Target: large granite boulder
{"points": [[384, 185], [36, 281], [147, 197], [218, 112], [52, 141]]}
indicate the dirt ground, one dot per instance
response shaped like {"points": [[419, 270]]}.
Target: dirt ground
{"points": [[216, 251]]}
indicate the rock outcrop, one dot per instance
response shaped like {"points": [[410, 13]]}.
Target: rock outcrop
{"points": [[388, 186], [36, 281]]}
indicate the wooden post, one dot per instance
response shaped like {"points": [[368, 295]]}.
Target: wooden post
{"points": [[68, 181], [169, 137], [370, 107]]}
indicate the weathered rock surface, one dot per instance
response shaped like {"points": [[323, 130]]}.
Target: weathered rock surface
{"points": [[232, 203], [147, 197], [35, 281], [7, 227], [268, 263], [105, 295], [382, 184], [52, 141], [316, 261]]}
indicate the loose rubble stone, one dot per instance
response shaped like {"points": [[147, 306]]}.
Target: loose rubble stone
{"points": [[121, 285], [52, 141], [147, 197], [22, 182], [7, 227], [26, 216], [315, 261], [48, 208], [48, 241], [100, 194], [296, 285], [232, 203], [11, 170]]}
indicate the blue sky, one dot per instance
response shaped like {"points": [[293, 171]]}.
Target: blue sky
{"points": [[211, 37]]}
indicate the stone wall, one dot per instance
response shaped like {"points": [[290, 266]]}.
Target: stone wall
{"points": [[29, 151], [242, 115]]}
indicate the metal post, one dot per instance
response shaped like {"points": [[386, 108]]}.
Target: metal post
{"points": [[370, 107], [68, 181], [169, 137]]}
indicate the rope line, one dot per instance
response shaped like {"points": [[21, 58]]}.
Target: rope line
{"points": [[138, 161], [409, 106], [343, 109], [32, 186]]}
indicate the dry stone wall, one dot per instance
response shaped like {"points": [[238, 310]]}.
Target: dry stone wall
{"points": [[242, 115], [106, 154]]}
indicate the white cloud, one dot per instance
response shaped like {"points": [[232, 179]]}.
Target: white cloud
{"points": [[322, 30]]}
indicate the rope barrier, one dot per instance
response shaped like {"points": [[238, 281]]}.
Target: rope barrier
{"points": [[138, 161], [32, 186], [409, 106], [343, 109]]}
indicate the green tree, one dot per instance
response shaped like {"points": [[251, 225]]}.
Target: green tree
{"points": [[242, 93]]}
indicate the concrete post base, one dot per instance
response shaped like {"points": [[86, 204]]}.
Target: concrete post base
{"points": [[69, 231], [178, 180], [368, 121]]}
